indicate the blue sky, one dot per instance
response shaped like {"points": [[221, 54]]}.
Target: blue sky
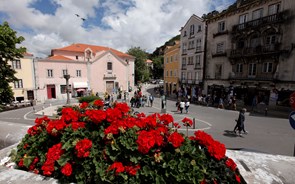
{"points": [[120, 24]]}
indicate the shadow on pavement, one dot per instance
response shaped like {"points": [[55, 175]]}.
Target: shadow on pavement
{"points": [[230, 133]]}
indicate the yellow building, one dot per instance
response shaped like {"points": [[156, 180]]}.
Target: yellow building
{"points": [[23, 89], [171, 68]]}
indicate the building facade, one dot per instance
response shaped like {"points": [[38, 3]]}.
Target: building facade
{"points": [[24, 88], [171, 68], [192, 56], [92, 70], [250, 50]]}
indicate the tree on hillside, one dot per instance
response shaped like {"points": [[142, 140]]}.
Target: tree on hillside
{"points": [[158, 67], [8, 52], [141, 70]]}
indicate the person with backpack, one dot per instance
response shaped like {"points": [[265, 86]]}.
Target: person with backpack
{"points": [[151, 98]]}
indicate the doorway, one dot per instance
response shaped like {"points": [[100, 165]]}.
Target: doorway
{"points": [[109, 86], [51, 91]]}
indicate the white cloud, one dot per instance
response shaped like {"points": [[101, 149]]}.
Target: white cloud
{"points": [[147, 24]]}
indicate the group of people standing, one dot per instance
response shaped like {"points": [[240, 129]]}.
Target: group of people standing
{"points": [[182, 104]]}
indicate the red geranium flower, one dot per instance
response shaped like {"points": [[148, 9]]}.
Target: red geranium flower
{"points": [[117, 166], [54, 126], [176, 139], [166, 119], [231, 164], [203, 138], [84, 105], [132, 170], [123, 107], [67, 169], [147, 139], [40, 121], [76, 125], [68, 114], [238, 179], [98, 103], [82, 147], [97, 116], [216, 150], [187, 122], [54, 152]]}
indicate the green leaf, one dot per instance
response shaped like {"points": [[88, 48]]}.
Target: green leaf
{"points": [[63, 160], [28, 160]]}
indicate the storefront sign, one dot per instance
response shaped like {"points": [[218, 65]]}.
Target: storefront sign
{"points": [[292, 119]]}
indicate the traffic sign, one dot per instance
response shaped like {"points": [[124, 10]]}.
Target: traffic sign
{"points": [[292, 100], [292, 119]]}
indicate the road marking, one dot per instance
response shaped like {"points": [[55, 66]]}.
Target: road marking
{"points": [[183, 115], [25, 116], [9, 118]]}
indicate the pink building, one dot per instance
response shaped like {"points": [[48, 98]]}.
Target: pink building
{"points": [[92, 69]]}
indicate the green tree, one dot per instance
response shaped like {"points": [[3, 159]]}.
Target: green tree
{"points": [[8, 52], [141, 70], [158, 70]]}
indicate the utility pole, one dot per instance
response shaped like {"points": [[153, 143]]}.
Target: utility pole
{"points": [[67, 77]]}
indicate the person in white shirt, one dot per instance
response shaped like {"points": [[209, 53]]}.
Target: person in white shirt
{"points": [[187, 103], [181, 106]]}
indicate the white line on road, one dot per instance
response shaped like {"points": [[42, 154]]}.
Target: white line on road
{"points": [[25, 116]]}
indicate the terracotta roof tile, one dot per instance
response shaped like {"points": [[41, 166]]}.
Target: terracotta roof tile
{"points": [[79, 47], [58, 57]]}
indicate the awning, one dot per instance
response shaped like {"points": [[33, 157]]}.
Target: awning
{"points": [[80, 84], [80, 90]]}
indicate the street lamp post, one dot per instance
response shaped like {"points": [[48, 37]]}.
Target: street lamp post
{"points": [[67, 77]]}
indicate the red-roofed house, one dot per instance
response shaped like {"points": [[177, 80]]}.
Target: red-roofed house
{"points": [[93, 69]]}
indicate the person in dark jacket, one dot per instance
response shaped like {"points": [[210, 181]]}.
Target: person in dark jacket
{"points": [[240, 126]]}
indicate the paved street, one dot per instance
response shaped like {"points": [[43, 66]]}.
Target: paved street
{"points": [[267, 135]]}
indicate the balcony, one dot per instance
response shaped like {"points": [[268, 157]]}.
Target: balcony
{"points": [[271, 19], [220, 33], [254, 51], [183, 67], [109, 76], [219, 54], [258, 77]]}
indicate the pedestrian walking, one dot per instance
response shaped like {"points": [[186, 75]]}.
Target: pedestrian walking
{"points": [[181, 106], [187, 103], [240, 126], [151, 99]]}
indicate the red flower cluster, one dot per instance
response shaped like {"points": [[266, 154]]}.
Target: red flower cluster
{"points": [[52, 155], [83, 148], [231, 164], [97, 116], [76, 125], [148, 139], [166, 119], [187, 122], [84, 105], [69, 114], [54, 126], [119, 168], [98, 103], [215, 148], [176, 139], [67, 169]]}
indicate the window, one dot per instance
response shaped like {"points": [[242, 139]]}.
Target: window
{"points": [[239, 68], [175, 73], [190, 60], [63, 89], [191, 44], [18, 84], [267, 67], [254, 42], [220, 48], [199, 45], [189, 75], [199, 28], [273, 9], [257, 14], [183, 61], [197, 75], [184, 48], [16, 64], [218, 71], [271, 39], [252, 69], [167, 73], [184, 33], [221, 26], [167, 60], [49, 73], [78, 73], [171, 73], [171, 59], [77, 57], [192, 30], [182, 75], [198, 60], [110, 66], [64, 72], [242, 20]]}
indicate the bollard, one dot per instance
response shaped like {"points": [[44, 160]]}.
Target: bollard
{"points": [[194, 123], [265, 111]]}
